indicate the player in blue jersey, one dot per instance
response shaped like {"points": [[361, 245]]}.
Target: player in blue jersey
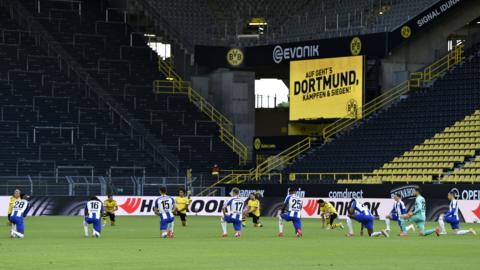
{"points": [[363, 215], [419, 215], [19, 212], [93, 215], [164, 208], [396, 214], [232, 213], [291, 211], [452, 218]]}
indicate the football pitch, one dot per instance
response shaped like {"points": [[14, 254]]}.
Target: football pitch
{"points": [[58, 243]]}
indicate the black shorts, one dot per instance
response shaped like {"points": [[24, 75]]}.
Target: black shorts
{"points": [[183, 217], [111, 216], [8, 217], [332, 218], [255, 218]]}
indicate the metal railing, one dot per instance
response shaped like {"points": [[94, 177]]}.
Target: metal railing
{"points": [[176, 85], [263, 171], [360, 177], [89, 185], [416, 80]]}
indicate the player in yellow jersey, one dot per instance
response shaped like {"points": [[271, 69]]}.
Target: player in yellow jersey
{"points": [[253, 210], [111, 207], [182, 203], [13, 199], [327, 211]]}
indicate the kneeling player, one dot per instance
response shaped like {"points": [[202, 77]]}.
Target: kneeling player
{"points": [[253, 210], [327, 211], [232, 213], [182, 203], [396, 214], [93, 214], [110, 208], [164, 208], [291, 211], [19, 212], [363, 215], [418, 216], [452, 218]]}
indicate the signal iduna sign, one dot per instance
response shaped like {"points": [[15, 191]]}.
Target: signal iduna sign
{"points": [[326, 88]]}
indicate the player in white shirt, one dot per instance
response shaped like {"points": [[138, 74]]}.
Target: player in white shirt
{"points": [[93, 215], [19, 212], [396, 214], [232, 213], [164, 208], [291, 211], [452, 218], [362, 214]]}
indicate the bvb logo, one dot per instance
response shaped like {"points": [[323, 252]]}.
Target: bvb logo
{"points": [[352, 108], [355, 46], [257, 143], [406, 31], [235, 57]]}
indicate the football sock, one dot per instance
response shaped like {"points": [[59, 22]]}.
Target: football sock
{"points": [[85, 228], [387, 223], [441, 223], [280, 224], [376, 234], [171, 225], [349, 225], [462, 232], [428, 232], [224, 226]]}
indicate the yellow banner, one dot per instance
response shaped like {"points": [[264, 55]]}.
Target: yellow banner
{"points": [[326, 88]]}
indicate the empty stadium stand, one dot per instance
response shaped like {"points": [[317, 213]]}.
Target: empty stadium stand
{"points": [[409, 132], [469, 173], [51, 120], [217, 22], [47, 122], [436, 156]]}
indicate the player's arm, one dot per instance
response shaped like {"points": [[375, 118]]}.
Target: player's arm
{"points": [[451, 211], [26, 210], [252, 208], [418, 208], [156, 211], [174, 208], [115, 208], [392, 212], [285, 205], [224, 208], [361, 230], [322, 214]]}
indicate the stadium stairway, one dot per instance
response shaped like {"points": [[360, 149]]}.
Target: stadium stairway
{"points": [[120, 60], [400, 127], [47, 121]]}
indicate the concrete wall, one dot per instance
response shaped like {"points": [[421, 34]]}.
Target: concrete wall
{"points": [[426, 47], [233, 94]]}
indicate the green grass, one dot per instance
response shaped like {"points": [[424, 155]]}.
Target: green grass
{"points": [[58, 243]]}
